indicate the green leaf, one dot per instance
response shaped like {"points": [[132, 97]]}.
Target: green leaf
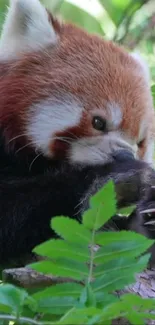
{"points": [[12, 297], [104, 299], [119, 10], [3, 8], [115, 9], [89, 218], [30, 304], [78, 316], [56, 305], [57, 248], [136, 307], [126, 211], [153, 93], [134, 318], [81, 18], [121, 244], [53, 5], [87, 298], [113, 280], [60, 290], [103, 205], [111, 251], [118, 265], [71, 230], [133, 300], [110, 312], [104, 195], [63, 268]]}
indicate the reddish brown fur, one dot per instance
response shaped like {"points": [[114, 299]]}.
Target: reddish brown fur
{"points": [[94, 70]]}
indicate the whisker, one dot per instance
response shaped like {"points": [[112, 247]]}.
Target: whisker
{"points": [[18, 136], [26, 145], [64, 140], [34, 161]]}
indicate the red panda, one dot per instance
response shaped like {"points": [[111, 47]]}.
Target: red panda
{"points": [[70, 95], [73, 96]]}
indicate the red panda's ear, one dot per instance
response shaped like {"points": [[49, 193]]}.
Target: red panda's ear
{"points": [[142, 65], [27, 28]]}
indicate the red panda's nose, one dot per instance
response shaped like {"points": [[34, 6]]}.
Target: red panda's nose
{"points": [[122, 155]]}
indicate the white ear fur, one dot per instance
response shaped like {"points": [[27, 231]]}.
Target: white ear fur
{"points": [[142, 64], [25, 29]]}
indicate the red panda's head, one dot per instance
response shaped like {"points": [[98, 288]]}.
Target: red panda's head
{"points": [[68, 94]]}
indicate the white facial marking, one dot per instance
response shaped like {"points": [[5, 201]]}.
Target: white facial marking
{"points": [[26, 28], [58, 114], [143, 129], [51, 116], [148, 157], [99, 150], [115, 114]]}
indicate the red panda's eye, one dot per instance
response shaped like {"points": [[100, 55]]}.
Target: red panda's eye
{"points": [[99, 123]]}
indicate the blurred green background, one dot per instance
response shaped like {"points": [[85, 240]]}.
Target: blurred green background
{"points": [[128, 22]]}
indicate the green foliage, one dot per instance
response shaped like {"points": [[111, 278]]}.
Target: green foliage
{"points": [[100, 272], [126, 211], [81, 18], [119, 10], [114, 265], [128, 22], [153, 93]]}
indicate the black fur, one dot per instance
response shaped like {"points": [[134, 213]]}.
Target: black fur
{"points": [[29, 198]]}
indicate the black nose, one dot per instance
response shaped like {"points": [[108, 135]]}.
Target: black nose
{"points": [[122, 155]]}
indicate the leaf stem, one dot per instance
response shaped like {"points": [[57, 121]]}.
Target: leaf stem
{"points": [[25, 320], [67, 314], [92, 252]]}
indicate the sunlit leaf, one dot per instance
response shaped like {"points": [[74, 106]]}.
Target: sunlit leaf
{"points": [[80, 17], [71, 230], [115, 9], [153, 93], [3, 9], [56, 248], [127, 211], [53, 6], [103, 207]]}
